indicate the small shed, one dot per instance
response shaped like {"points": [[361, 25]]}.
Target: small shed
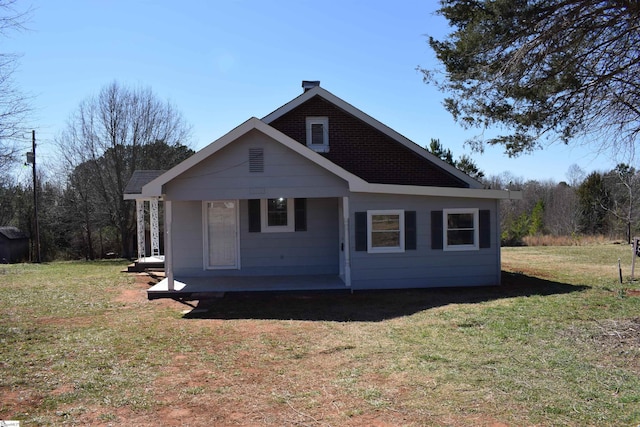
{"points": [[14, 245]]}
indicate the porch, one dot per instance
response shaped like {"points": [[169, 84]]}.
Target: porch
{"points": [[188, 287], [153, 263]]}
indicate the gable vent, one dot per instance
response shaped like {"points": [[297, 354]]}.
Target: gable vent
{"points": [[256, 160]]}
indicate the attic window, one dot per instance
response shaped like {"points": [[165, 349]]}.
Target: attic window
{"points": [[256, 160], [318, 134]]}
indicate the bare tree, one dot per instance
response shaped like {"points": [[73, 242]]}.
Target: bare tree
{"points": [[107, 136], [575, 175], [623, 183], [14, 106], [561, 213]]}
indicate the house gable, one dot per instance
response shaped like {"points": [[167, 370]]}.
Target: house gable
{"points": [[466, 187], [364, 146], [228, 175], [253, 161]]}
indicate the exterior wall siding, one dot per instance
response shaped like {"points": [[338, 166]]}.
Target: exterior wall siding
{"points": [[187, 240], [424, 267], [363, 150], [314, 251], [226, 175]]}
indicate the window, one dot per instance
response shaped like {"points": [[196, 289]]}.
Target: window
{"points": [[318, 134], [277, 215], [386, 231], [460, 231]]}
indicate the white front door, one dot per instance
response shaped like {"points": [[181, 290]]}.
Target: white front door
{"points": [[221, 234]]}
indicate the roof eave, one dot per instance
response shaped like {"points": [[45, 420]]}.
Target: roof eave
{"points": [[155, 187], [414, 190]]}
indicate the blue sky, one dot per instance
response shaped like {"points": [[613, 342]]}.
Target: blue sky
{"points": [[221, 62]]}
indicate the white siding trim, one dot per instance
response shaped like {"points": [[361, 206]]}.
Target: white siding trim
{"points": [[415, 190], [356, 184]]}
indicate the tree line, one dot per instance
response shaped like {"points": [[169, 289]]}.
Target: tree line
{"points": [[539, 71], [83, 214], [601, 203]]}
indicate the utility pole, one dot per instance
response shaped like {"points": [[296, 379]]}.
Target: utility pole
{"points": [[31, 158]]}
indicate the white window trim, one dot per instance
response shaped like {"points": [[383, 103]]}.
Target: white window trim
{"points": [[266, 228], [324, 121], [377, 250], [476, 230]]}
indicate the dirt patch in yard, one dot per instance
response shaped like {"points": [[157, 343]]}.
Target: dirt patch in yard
{"points": [[241, 375], [137, 293], [615, 340], [366, 359]]}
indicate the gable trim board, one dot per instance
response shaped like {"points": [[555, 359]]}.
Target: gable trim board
{"points": [[355, 183], [154, 188]]}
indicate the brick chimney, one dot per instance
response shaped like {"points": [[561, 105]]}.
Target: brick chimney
{"points": [[310, 84]]}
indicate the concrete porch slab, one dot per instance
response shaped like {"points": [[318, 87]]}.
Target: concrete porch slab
{"points": [[147, 263], [185, 288]]}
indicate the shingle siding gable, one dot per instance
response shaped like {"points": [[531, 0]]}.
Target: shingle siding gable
{"points": [[363, 150]]}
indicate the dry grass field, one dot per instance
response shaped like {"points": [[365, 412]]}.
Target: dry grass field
{"points": [[557, 344]]}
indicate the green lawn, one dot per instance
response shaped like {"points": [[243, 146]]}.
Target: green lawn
{"points": [[557, 344]]}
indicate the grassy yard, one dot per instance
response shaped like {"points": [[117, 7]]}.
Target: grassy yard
{"points": [[557, 344]]}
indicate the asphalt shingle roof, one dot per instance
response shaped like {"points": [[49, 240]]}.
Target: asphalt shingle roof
{"points": [[13, 233], [139, 179]]}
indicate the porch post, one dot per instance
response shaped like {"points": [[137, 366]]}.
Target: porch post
{"points": [[140, 228], [168, 249], [155, 233], [347, 246]]}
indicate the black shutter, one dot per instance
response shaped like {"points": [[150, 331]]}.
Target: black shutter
{"points": [[300, 215], [436, 230], [254, 215], [361, 231], [484, 220], [410, 231]]}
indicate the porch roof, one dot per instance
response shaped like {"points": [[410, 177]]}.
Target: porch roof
{"points": [[13, 233], [140, 178]]}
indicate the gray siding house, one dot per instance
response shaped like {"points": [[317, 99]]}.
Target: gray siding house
{"points": [[319, 195]]}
